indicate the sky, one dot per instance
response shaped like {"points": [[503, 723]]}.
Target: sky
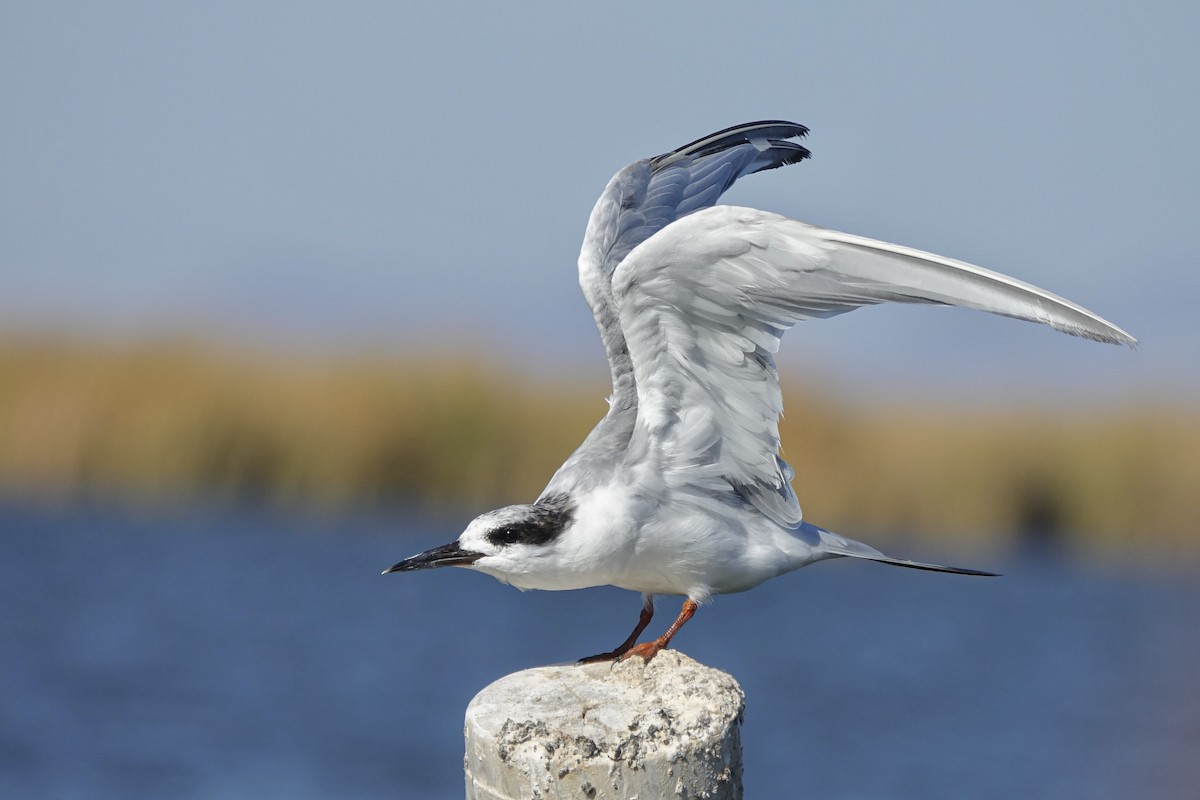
{"points": [[415, 177]]}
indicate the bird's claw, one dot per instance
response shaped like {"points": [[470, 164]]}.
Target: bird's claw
{"points": [[647, 650]]}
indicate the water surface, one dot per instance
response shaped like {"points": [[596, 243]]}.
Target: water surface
{"points": [[240, 654]]}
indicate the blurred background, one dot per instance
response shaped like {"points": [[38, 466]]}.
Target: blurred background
{"points": [[287, 293]]}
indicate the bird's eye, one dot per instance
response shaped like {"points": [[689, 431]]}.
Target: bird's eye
{"points": [[506, 536]]}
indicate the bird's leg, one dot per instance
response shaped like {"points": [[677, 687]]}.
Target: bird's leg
{"points": [[648, 650], [623, 648]]}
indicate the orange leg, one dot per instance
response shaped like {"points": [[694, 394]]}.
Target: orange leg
{"points": [[623, 648], [648, 650]]}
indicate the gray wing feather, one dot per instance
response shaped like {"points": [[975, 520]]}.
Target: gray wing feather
{"points": [[705, 302], [694, 177], [638, 202]]}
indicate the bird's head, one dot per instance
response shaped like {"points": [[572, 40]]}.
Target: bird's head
{"points": [[501, 543]]}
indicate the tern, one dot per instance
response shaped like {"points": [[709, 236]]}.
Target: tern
{"points": [[680, 489]]}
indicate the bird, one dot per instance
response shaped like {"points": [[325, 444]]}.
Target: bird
{"points": [[680, 489]]}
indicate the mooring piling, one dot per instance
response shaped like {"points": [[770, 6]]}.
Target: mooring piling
{"points": [[667, 728]]}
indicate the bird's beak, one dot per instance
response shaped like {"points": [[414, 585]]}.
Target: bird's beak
{"points": [[448, 555]]}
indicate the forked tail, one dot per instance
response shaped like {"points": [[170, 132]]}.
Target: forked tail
{"points": [[837, 545]]}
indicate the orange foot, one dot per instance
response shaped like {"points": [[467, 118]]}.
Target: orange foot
{"points": [[647, 650]]}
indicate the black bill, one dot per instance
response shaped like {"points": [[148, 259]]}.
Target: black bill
{"points": [[448, 555]]}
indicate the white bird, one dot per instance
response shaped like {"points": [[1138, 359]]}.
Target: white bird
{"points": [[680, 489]]}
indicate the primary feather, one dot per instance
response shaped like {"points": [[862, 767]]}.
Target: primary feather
{"points": [[704, 303]]}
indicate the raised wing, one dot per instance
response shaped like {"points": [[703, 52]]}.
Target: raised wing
{"points": [[638, 202], [646, 196], [705, 302]]}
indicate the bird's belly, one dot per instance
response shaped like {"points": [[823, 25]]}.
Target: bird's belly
{"points": [[560, 581], [709, 552]]}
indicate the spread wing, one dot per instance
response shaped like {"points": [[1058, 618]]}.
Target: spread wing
{"points": [[705, 302], [638, 202], [646, 196]]}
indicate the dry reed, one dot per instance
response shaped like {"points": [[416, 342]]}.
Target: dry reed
{"points": [[164, 422]]}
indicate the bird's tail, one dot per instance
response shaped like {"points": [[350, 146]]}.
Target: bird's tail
{"points": [[838, 545]]}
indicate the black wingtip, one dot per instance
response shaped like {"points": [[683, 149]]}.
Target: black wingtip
{"points": [[774, 131], [791, 153], [743, 133]]}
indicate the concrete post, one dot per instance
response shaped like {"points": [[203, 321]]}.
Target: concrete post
{"points": [[669, 728]]}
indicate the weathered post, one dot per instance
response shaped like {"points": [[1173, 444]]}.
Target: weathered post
{"points": [[669, 728]]}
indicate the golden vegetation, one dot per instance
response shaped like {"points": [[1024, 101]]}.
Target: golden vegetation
{"points": [[178, 420]]}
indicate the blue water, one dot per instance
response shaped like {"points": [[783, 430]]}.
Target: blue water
{"points": [[239, 654]]}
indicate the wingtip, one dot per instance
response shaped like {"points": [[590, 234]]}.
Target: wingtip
{"points": [[792, 153], [1129, 340], [775, 132], [1101, 331]]}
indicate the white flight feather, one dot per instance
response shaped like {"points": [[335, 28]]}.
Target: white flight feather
{"points": [[704, 302]]}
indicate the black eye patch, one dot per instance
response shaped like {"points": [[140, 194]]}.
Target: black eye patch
{"points": [[546, 521]]}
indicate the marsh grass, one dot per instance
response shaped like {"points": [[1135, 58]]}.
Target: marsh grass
{"points": [[161, 423]]}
